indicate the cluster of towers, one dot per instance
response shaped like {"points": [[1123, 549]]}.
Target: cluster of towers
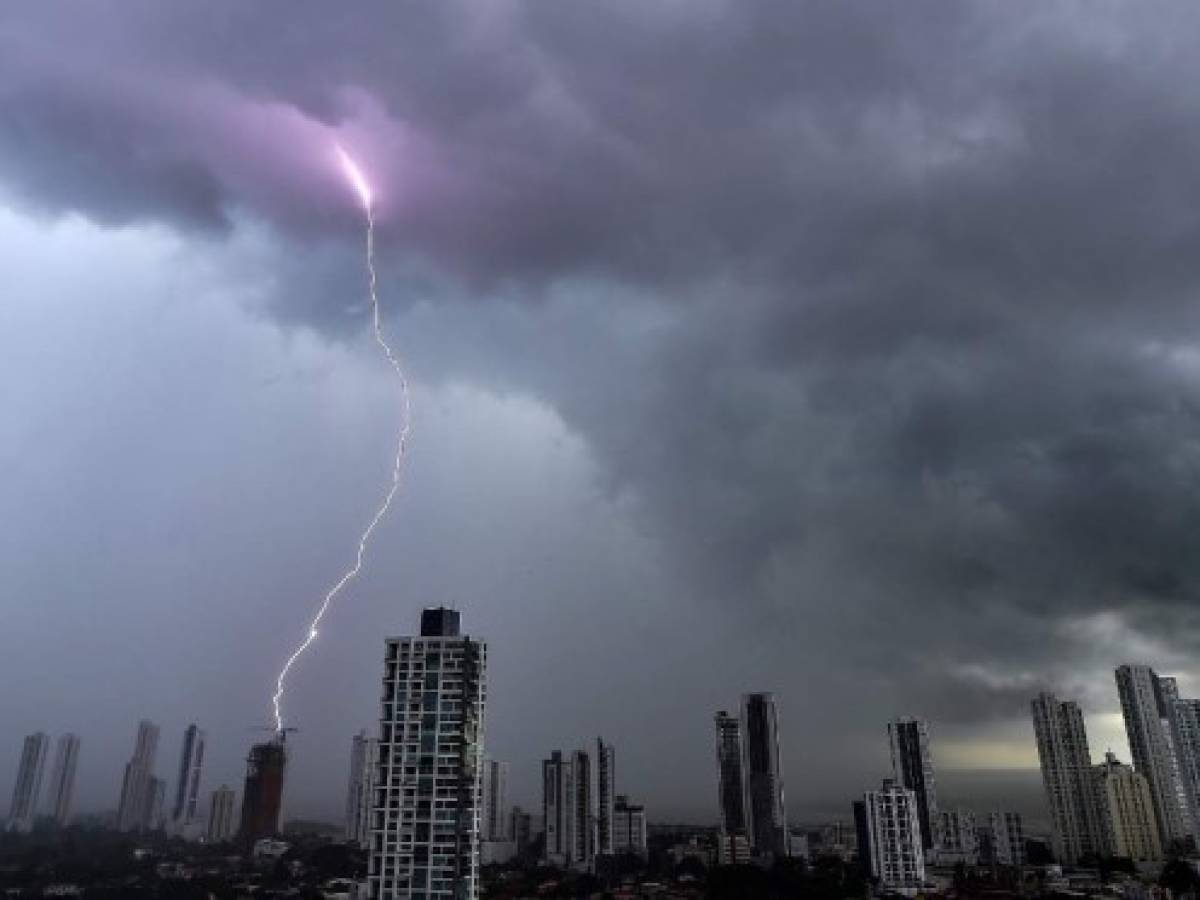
{"points": [[143, 804], [585, 818], [750, 782], [1140, 812], [27, 792]]}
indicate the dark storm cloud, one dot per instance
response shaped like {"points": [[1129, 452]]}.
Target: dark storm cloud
{"points": [[882, 315]]}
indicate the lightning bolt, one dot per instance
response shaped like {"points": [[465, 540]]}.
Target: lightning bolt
{"points": [[360, 184]]}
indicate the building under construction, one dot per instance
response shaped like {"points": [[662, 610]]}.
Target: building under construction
{"points": [[262, 799]]}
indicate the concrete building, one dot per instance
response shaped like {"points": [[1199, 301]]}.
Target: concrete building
{"points": [[187, 787], [958, 839], [1067, 775], [889, 831], [28, 788], [763, 772], [1129, 825], [62, 779], [221, 821], [137, 801], [521, 829], [494, 820], [1002, 840], [567, 811], [426, 812], [558, 810], [731, 788], [912, 768], [1146, 707], [606, 782], [262, 796], [156, 805], [733, 849], [360, 791], [1185, 731], [629, 828]]}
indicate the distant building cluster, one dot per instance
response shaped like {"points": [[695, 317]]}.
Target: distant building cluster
{"points": [[430, 808], [1139, 812]]}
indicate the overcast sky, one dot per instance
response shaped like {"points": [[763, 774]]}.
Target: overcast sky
{"points": [[848, 351]]}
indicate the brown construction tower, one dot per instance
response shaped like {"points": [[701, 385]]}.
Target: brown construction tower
{"points": [[263, 796]]}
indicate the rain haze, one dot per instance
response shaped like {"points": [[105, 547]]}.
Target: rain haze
{"points": [[847, 351]]}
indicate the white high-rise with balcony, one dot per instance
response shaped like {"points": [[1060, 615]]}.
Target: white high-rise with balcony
{"points": [[425, 813]]}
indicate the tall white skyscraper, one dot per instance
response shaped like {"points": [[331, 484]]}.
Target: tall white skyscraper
{"points": [[62, 778], [889, 833], [28, 789], [425, 814], [1067, 775], [763, 772], [222, 812], [136, 799], [912, 768], [1146, 702], [495, 817], [606, 777], [360, 792], [187, 789]]}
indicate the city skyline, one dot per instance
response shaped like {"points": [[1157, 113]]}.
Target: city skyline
{"points": [[843, 353]]}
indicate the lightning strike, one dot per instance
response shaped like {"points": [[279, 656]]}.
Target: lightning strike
{"points": [[363, 188]]}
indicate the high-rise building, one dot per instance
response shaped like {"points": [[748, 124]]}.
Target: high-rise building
{"points": [[136, 800], [521, 829], [360, 792], [62, 779], [763, 771], [262, 796], [912, 768], [1002, 840], [1146, 707], [494, 818], [187, 789], [1067, 775], [584, 849], [958, 839], [1127, 822], [220, 815], [567, 811], [731, 788], [28, 789], [156, 804], [629, 827], [558, 809], [1185, 731], [606, 778], [889, 832], [425, 816]]}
